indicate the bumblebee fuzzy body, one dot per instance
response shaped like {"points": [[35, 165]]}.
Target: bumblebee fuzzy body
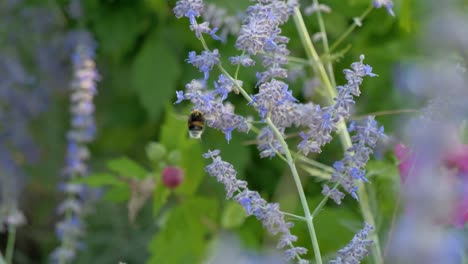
{"points": [[196, 124]]}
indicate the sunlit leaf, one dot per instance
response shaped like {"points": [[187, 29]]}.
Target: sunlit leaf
{"points": [[233, 215], [126, 167], [184, 237]]}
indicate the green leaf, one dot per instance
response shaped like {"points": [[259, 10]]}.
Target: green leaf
{"points": [[183, 239], [334, 226], [159, 6], [127, 168], [154, 74], [99, 180], [117, 29], [174, 131], [161, 193], [193, 165], [405, 20], [233, 216], [117, 194]]}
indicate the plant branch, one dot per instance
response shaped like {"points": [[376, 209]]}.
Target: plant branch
{"points": [[342, 128]]}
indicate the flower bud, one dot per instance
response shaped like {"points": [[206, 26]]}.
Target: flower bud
{"points": [[172, 177], [155, 151], [174, 157]]}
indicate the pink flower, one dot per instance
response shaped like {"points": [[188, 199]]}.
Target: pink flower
{"points": [[172, 177], [456, 159], [405, 159]]}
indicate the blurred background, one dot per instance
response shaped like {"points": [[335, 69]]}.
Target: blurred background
{"points": [[140, 55]]}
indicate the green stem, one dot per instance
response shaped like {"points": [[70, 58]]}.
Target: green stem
{"points": [[342, 128], [351, 28], [300, 189], [10, 244], [295, 216], [292, 166], [323, 202], [323, 31], [316, 164]]}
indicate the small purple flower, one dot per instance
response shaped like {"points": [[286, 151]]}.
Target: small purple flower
{"points": [[220, 19], [357, 249], [180, 96], [387, 3], [188, 8], [211, 154], [224, 85], [82, 131], [268, 213], [321, 122], [243, 60], [349, 170], [334, 194], [205, 61]]}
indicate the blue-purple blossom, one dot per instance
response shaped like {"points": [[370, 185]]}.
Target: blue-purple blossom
{"points": [[224, 85], [268, 213], [205, 61], [268, 144], [204, 28], [262, 25], [243, 60], [274, 56], [323, 121], [350, 170], [333, 194], [28, 79], [219, 18], [357, 249], [82, 131], [388, 4], [188, 8], [273, 99]]}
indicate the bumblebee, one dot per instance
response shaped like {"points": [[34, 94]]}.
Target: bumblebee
{"points": [[196, 124]]}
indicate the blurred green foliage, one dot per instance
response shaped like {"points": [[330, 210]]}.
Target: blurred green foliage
{"points": [[141, 54]]}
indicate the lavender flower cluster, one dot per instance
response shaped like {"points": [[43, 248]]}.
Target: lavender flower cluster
{"points": [[357, 249], [260, 36], [82, 131], [25, 93], [350, 168], [322, 121], [268, 213]]}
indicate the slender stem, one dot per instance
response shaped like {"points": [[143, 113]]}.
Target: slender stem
{"points": [[300, 189], [351, 28], [317, 172], [323, 31], [295, 216], [316, 164], [342, 129], [323, 202], [310, 49], [10, 244], [236, 74], [292, 166], [386, 112]]}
